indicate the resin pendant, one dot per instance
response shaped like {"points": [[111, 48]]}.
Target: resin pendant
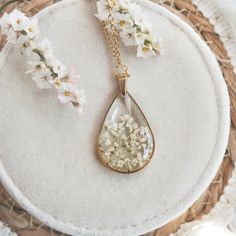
{"points": [[125, 143]]}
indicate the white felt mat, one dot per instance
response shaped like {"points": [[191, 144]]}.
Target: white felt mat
{"points": [[48, 155]]}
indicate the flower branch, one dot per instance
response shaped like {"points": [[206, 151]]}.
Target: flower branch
{"points": [[134, 28], [47, 71]]}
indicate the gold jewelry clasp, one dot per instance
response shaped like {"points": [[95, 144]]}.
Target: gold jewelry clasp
{"points": [[122, 81]]}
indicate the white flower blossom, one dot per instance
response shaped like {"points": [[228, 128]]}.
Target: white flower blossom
{"points": [[104, 6], [41, 80], [12, 37], [37, 66], [102, 10], [129, 37], [144, 25], [68, 93], [5, 230], [18, 20], [80, 100], [144, 51], [65, 93], [25, 45], [125, 145], [45, 47], [141, 38], [5, 23], [135, 29], [58, 68], [31, 28], [125, 4], [40, 74], [123, 21], [47, 71]]}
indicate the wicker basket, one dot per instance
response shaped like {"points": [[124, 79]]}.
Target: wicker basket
{"points": [[24, 224]]}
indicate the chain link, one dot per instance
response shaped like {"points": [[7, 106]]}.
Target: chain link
{"points": [[112, 36]]}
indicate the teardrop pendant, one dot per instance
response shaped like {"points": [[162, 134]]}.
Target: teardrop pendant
{"points": [[125, 143]]}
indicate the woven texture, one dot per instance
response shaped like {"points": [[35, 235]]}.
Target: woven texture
{"points": [[24, 224]]}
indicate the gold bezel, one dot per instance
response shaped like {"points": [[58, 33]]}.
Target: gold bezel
{"points": [[97, 145]]}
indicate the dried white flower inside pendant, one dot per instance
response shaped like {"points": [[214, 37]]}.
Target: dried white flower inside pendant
{"points": [[126, 142]]}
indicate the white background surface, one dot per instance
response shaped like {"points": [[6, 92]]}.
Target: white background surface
{"points": [[50, 153]]}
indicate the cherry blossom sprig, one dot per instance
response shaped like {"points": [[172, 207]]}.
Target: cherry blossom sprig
{"points": [[135, 29], [47, 71]]}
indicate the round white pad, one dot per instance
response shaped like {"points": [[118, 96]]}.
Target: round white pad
{"points": [[48, 154]]}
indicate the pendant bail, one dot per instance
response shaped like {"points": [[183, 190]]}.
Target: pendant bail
{"points": [[122, 81]]}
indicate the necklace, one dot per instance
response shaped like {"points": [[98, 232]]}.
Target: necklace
{"points": [[125, 143]]}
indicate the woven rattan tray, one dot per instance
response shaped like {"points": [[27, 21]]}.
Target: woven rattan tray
{"points": [[24, 224]]}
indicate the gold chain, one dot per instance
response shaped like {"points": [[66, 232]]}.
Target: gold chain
{"points": [[112, 36]]}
